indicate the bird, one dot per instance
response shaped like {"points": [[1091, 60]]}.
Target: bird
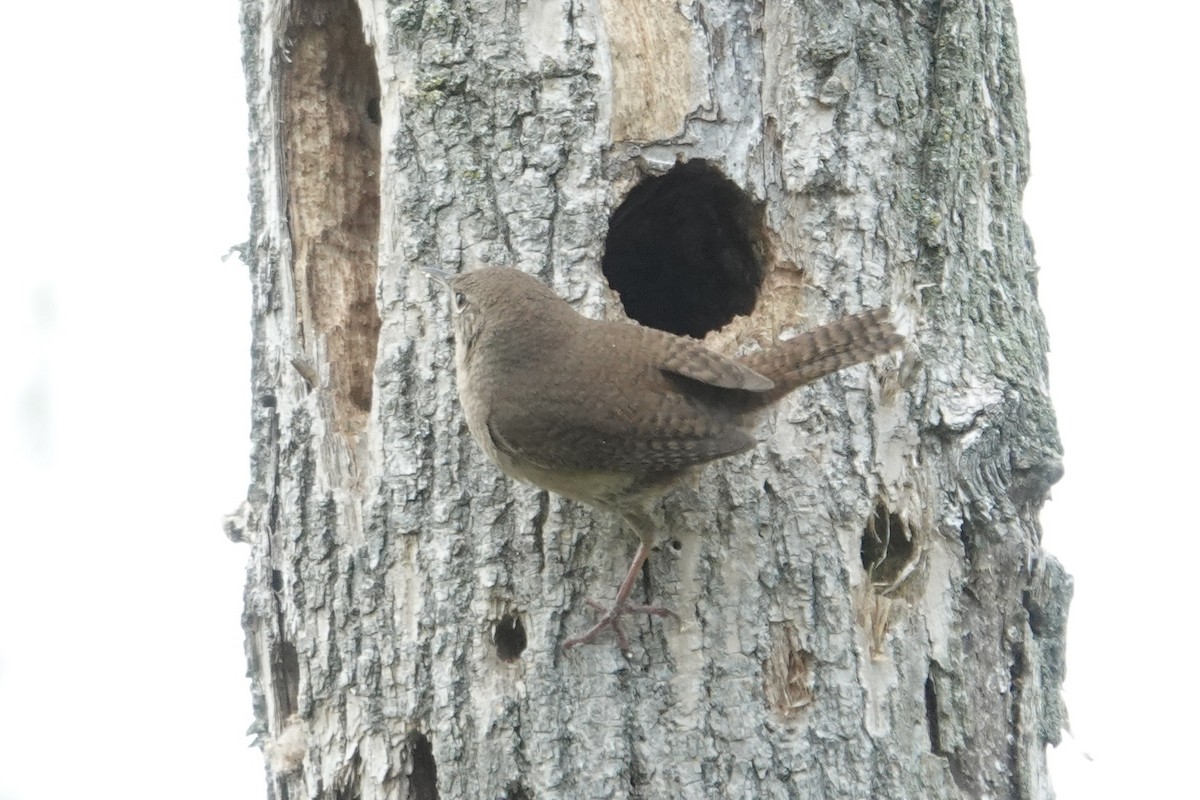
{"points": [[614, 414]]}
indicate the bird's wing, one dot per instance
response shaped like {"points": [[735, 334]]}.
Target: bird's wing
{"points": [[693, 360], [608, 429]]}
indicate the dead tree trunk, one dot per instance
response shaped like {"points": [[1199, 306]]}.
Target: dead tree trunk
{"points": [[866, 608]]}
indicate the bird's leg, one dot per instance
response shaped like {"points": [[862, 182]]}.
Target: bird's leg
{"points": [[620, 607]]}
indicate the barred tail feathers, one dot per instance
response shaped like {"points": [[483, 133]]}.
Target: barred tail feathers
{"points": [[821, 351]]}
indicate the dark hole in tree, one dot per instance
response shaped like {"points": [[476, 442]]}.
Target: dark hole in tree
{"points": [[931, 717], [1017, 670], [887, 547], [285, 670], [510, 639], [685, 250], [276, 581], [422, 780], [517, 791]]}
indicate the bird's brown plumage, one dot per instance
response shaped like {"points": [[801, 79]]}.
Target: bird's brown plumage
{"points": [[613, 414]]}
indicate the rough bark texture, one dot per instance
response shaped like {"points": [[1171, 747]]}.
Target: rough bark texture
{"points": [[866, 609]]}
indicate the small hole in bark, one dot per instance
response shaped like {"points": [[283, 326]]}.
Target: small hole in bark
{"points": [[517, 791], [931, 717], [676, 545], [510, 639], [285, 678], [276, 581], [374, 113], [685, 250], [888, 550], [422, 778]]}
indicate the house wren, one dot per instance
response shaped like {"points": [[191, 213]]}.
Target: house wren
{"points": [[614, 414]]}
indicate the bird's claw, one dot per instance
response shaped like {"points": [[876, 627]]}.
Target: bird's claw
{"points": [[611, 619]]}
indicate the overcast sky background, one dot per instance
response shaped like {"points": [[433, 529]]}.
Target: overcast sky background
{"points": [[121, 661]]}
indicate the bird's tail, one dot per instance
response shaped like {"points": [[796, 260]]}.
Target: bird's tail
{"points": [[816, 353]]}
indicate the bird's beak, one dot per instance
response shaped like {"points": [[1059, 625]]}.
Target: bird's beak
{"points": [[441, 276]]}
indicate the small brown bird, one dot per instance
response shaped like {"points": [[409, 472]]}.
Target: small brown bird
{"points": [[614, 414]]}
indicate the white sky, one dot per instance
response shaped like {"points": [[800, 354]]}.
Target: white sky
{"points": [[1112, 109], [125, 146]]}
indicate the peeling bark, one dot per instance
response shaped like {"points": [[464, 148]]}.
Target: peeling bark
{"points": [[866, 610]]}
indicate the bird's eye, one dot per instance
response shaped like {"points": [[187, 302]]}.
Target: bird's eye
{"points": [[460, 301]]}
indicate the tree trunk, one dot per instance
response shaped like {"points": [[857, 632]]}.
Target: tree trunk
{"points": [[865, 608]]}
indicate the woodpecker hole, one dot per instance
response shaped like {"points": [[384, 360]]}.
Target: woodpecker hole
{"points": [[510, 639], [330, 112], [686, 250], [422, 774], [889, 552]]}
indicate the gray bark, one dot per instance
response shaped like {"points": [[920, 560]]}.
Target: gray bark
{"points": [[865, 607]]}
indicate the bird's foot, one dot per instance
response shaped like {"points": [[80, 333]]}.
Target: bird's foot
{"points": [[611, 619]]}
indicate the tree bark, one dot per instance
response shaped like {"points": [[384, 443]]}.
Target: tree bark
{"points": [[865, 608]]}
